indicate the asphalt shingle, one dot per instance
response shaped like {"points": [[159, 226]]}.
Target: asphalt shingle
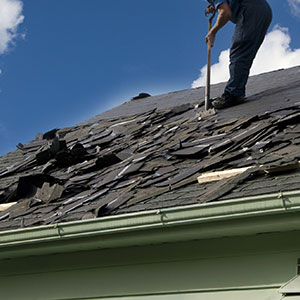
{"points": [[147, 154]]}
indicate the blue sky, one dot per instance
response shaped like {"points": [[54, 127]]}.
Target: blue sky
{"points": [[69, 60]]}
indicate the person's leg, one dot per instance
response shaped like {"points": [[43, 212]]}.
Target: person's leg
{"points": [[250, 31], [249, 34], [242, 55]]}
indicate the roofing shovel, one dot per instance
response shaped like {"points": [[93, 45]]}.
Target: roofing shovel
{"points": [[210, 17]]}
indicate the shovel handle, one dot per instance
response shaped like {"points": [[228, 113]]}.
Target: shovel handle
{"points": [[207, 88], [210, 15]]}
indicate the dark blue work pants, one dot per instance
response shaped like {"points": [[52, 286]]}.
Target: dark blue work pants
{"points": [[253, 21]]}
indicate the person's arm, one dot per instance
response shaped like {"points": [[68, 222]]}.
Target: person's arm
{"points": [[224, 15]]}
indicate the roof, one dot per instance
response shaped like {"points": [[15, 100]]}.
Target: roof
{"points": [[147, 154]]}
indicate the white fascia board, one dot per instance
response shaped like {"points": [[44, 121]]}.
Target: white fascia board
{"points": [[272, 213]]}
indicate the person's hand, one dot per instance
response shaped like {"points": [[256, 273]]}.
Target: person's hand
{"points": [[210, 10], [210, 38]]}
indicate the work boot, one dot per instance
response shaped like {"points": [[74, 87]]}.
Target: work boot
{"points": [[227, 100]]}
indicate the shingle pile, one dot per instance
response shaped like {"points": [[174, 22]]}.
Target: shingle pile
{"points": [[149, 160]]}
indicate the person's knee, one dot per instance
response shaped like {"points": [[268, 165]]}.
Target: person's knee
{"points": [[242, 59]]}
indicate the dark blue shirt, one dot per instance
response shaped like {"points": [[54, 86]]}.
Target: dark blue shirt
{"points": [[234, 6]]}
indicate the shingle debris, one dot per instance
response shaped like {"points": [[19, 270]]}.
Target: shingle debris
{"points": [[146, 161], [141, 96]]}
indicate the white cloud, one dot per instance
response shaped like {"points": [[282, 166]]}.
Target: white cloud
{"points": [[275, 53], [10, 18], [295, 7]]}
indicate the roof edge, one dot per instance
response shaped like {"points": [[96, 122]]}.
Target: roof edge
{"points": [[200, 221]]}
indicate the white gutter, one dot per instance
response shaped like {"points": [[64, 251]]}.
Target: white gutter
{"points": [[200, 221]]}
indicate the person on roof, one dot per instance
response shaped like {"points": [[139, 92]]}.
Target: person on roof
{"points": [[252, 19]]}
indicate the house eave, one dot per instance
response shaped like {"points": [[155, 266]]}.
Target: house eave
{"points": [[238, 217]]}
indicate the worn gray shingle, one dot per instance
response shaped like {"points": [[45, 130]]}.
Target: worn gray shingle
{"points": [[147, 154]]}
